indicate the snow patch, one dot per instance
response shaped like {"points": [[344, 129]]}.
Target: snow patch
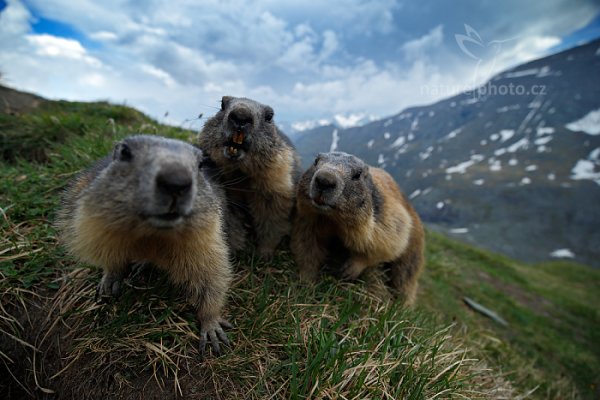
{"points": [[440, 205], [478, 182], [386, 135], [495, 165], [415, 124], [544, 72], [453, 134], [350, 120], [543, 140], [525, 181], [585, 169], [334, 140], [551, 177], [494, 137], [508, 108], [311, 124], [370, 143], [399, 142], [425, 154], [589, 168], [544, 130], [381, 159], [589, 124], [463, 166], [387, 123], [513, 162], [506, 134], [522, 73], [531, 168], [562, 253], [459, 230], [414, 194]]}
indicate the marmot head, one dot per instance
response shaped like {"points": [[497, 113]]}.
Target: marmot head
{"points": [[151, 182], [241, 127], [340, 185]]}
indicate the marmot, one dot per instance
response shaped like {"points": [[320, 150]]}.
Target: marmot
{"points": [[150, 202], [258, 166], [345, 205]]}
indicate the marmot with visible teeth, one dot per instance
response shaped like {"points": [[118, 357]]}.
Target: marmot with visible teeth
{"points": [[258, 166], [344, 205], [151, 202]]}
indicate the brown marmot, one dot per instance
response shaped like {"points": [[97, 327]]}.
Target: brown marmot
{"points": [[258, 167], [344, 205], [150, 202]]}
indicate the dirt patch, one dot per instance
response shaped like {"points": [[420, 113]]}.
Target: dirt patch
{"points": [[15, 102], [538, 304]]}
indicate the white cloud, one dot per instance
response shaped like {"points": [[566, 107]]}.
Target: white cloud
{"points": [[158, 73], [104, 36], [51, 46], [418, 48], [524, 49], [14, 20]]}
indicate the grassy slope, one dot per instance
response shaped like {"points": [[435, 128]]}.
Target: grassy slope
{"points": [[335, 339]]}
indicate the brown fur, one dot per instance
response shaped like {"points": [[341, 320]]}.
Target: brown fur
{"points": [[259, 180], [382, 230], [100, 223]]}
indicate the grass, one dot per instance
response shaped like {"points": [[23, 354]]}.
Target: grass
{"points": [[332, 340]]}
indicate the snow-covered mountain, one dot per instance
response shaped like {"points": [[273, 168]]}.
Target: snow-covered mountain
{"points": [[513, 167]]}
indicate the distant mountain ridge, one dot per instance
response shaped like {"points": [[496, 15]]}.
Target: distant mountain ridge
{"points": [[513, 167]]}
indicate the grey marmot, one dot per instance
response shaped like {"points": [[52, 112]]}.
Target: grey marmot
{"points": [[344, 205], [258, 166], [151, 202]]}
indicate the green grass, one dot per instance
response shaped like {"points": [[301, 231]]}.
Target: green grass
{"points": [[331, 340]]}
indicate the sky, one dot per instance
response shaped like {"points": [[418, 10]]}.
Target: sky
{"points": [[339, 60]]}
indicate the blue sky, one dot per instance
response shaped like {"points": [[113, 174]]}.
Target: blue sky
{"points": [[337, 60]]}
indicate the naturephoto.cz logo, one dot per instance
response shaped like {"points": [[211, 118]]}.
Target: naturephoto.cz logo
{"points": [[484, 56]]}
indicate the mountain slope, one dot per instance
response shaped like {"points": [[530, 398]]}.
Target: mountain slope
{"points": [[513, 167], [291, 340]]}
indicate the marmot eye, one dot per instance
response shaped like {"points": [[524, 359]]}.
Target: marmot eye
{"points": [[269, 114], [356, 175], [125, 153], [316, 161]]}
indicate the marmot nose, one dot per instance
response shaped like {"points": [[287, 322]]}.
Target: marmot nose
{"points": [[174, 181], [240, 117], [325, 181]]}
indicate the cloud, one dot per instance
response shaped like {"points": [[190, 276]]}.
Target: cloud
{"points": [[309, 60], [52, 46], [418, 48], [14, 20]]}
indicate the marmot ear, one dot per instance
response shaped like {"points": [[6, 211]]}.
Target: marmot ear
{"points": [[318, 158], [225, 101], [122, 152], [269, 114]]}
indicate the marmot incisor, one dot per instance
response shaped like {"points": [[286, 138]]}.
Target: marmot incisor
{"points": [[341, 199], [150, 202], [258, 167]]}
